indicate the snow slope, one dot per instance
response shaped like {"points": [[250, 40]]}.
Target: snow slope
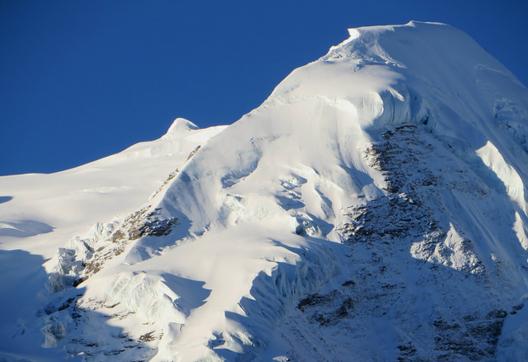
{"points": [[372, 208], [40, 212]]}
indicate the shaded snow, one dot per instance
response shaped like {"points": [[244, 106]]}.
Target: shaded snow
{"points": [[373, 207]]}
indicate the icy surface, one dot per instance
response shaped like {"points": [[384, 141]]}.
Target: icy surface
{"points": [[372, 208]]}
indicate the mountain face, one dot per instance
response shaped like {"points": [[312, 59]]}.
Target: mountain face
{"points": [[373, 208]]}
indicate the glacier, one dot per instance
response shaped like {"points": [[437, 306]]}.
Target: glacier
{"points": [[372, 208]]}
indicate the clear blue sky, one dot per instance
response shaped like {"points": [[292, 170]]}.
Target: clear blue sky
{"points": [[80, 80]]}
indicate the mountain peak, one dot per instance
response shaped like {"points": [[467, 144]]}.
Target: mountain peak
{"points": [[392, 168], [180, 126]]}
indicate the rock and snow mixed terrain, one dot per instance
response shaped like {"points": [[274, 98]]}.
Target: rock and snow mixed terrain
{"points": [[374, 207]]}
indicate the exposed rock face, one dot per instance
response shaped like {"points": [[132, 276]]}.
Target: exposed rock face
{"points": [[413, 195], [404, 256], [146, 223]]}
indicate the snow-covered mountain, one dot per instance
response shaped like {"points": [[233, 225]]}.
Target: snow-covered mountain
{"points": [[373, 208]]}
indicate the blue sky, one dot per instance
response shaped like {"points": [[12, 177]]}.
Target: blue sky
{"points": [[80, 80]]}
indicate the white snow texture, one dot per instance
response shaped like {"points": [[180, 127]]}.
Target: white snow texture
{"points": [[373, 208]]}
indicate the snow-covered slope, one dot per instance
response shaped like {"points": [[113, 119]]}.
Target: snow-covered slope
{"points": [[372, 208], [40, 213]]}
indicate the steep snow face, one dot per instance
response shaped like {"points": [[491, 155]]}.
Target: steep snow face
{"points": [[323, 113], [301, 159], [372, 208]]}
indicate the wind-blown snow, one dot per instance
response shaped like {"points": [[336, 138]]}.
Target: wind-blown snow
{"points": [[372, 208]]}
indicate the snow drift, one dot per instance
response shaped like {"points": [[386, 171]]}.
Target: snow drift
{"points": [[372, 208]]}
